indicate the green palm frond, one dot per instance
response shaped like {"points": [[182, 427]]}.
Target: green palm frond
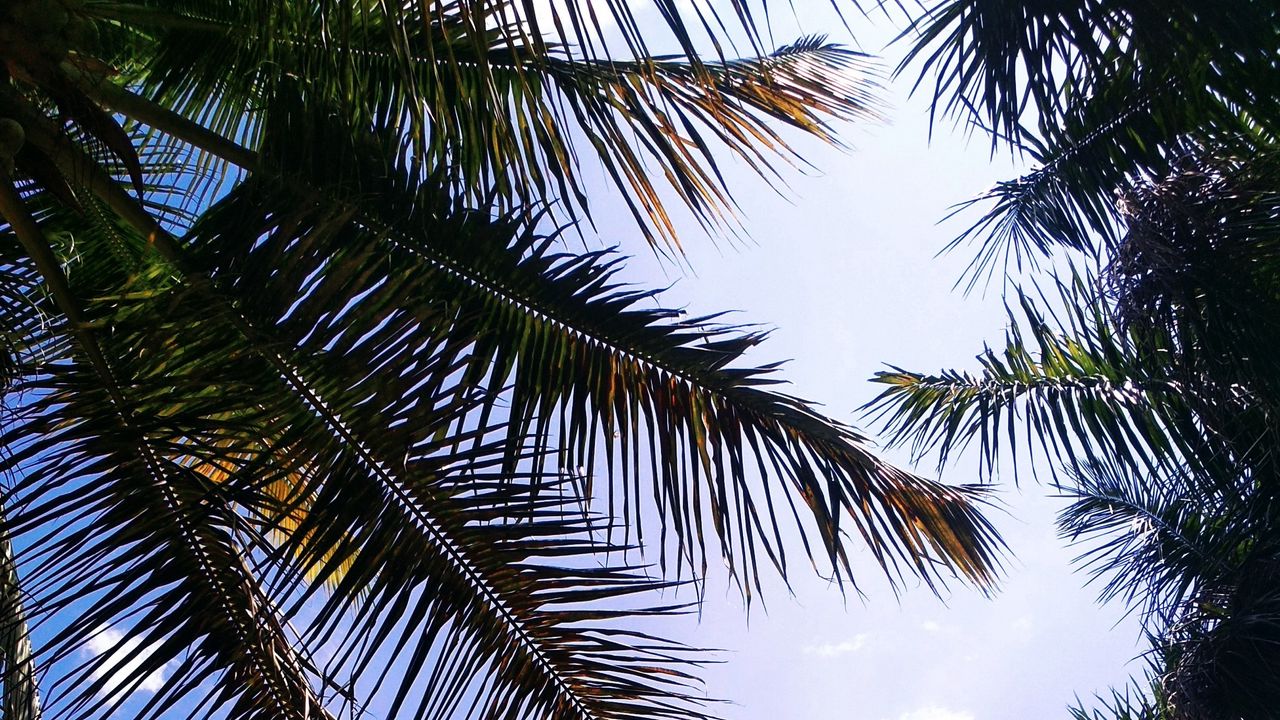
{"points": [[1098, 95], [1167, 355], [609, 383], [299, 380], [1075, 394], [498, 110], [360, 324]]}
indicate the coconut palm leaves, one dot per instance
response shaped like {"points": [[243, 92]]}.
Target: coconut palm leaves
{"points": [[1149, 379], [476, 94], [312, 408], [1096, 93]]}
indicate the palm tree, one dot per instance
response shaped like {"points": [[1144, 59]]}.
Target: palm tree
{"points": [[307, 401], [1093, 93], [1146, 374]]}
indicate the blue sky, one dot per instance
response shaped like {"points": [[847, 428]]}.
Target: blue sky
{"points": [[844, 268]]}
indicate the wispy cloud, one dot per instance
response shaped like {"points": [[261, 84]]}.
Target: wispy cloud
{"points": [[934, 712], [120, 659], [930, 626], [1024, 628], [829, 650]]}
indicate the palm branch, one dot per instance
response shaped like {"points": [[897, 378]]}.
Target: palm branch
{"points": [[1073, 392]]}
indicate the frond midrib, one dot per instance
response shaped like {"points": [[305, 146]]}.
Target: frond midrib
{"points": [[456, 556]]}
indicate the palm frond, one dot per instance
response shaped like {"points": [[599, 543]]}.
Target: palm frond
{"points": [[606, 382], [1153, 541], [496, 109], [1075, 394], [1128, 703], [1099, 95], [1200, 560], [126, 527], [1012, 65]]}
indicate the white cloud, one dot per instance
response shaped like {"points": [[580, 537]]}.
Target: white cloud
{"points": [[1023, 628], [828, 650], [930, 626], [121, 657], [934, 712]]}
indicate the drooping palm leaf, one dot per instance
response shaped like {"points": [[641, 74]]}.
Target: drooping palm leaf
{"points": [[271, 452], [607, 382], [1017, 65], [1200, 560], [501, 571]]}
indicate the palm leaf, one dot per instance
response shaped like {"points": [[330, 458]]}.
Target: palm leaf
{"points": [[1074, 393], [609, 381], [487, 558], [1098, 95], [496, 109]]}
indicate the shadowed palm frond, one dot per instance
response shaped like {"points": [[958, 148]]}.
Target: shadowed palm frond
{"points": [[1149, 537], [1010, 65], [1073, 393], [1200, 561], [219, 577], [1098, 95], [607, 384], [309, 411], [1154, 128]]}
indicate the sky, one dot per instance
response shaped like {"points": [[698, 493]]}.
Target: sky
{"points": [[842, 266]]}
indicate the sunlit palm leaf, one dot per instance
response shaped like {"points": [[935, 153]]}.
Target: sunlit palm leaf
{"points": [[498, 110], [605, 381]]}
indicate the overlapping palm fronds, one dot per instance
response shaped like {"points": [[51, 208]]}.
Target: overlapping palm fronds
{"points": [[1149, 381], [308, 406], [474, 93], [1097, 94]]}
